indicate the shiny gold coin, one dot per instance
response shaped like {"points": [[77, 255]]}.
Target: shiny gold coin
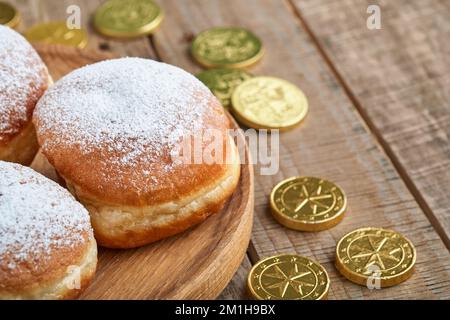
{"points": [[308, 203], [269, 103], [288, 277], [369, 256], [127, 19], [9, 16], [222, 82], [226, 47], [57, 33]]}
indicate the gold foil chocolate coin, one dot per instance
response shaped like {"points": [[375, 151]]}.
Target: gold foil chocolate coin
{"points": [[288, 277], [269, 103], [9, 16], [229, 47], [369, 256], [57, 33], [308, 203], [222, 82], [127, 19]]}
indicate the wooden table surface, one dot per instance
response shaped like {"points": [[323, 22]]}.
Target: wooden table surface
{"points": [[379, 120]]}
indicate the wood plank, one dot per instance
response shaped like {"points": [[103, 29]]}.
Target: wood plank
{"points": [[333, 143], [38, 11], [399, 77]]}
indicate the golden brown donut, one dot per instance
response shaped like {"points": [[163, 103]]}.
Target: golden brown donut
{"points": [[23, 80], [110, 130], [47, 247]]}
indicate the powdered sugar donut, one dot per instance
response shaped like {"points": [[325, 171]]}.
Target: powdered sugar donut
{"points": [[23, 79], [47, 247], [111, 129]]}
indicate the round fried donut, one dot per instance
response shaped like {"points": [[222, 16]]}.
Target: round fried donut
{"points": [[112, 130], [47, 247], [23, 80]]}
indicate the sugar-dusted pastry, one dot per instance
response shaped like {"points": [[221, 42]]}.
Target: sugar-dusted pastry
{"points": [[47, 247], [111, 131], [23, 79]]}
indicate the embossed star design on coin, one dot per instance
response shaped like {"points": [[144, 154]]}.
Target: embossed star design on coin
{"points": [[288, 277], [308, 203], [366, 253]]}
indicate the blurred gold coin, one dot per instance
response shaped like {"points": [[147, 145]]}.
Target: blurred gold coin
{"points": [[127, 19], [9, 16], [288, 277], [375, 256], [222, 82], [308, 203], [269, 103], [57, 33], [228, 47]]}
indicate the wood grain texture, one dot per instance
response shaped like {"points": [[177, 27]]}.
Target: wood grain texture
{"points": [[237, 288], [333, 142], [55, 57], [399, 77], [196, 264]]}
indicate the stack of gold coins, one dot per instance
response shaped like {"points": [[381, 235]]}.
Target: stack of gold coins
{"points": [[127, 19], [375, 257], [9, 16], [57, 33], [222, 82], [228, 47], [288, 277]]}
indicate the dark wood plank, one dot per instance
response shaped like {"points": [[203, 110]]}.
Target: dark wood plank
{"points": [[333, 142], [399, 77]]}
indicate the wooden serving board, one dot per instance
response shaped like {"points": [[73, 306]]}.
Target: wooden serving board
{"points": [[196, 264]]}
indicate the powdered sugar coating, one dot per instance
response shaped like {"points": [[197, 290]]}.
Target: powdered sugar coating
{"points": [[111, 130], [130, 108], [23, 78], [37, 217]]}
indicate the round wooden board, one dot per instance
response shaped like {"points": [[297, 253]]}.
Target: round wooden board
{"points": [[196, 264]]}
